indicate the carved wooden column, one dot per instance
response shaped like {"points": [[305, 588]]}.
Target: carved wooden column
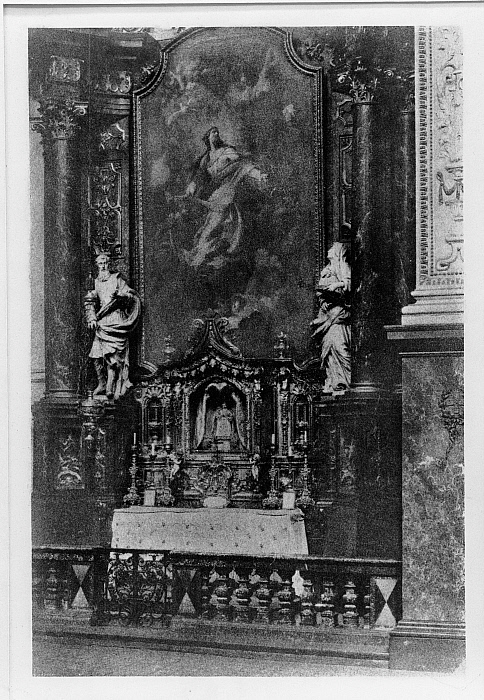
{"points": [[60, 124]]}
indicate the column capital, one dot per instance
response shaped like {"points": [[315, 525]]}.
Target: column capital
{"points": [[59, 118], [362, 84]]}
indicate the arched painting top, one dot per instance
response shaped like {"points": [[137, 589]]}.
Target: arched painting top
{"points": [[228, 190]]}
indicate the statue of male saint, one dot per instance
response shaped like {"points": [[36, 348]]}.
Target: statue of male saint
{"points": [[112, 310]]}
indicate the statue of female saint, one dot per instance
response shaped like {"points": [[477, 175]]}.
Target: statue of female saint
{"points": [[332, 325]]}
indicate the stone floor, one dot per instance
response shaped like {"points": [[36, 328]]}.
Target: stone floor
{"points": [[109, 657]]}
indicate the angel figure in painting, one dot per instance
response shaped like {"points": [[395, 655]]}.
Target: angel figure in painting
{"points": [[214, 182], [112, 311], [332, 325]]}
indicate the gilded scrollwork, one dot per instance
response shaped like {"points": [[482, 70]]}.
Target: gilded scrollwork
{"points": [[104, 202], [69, 474]]}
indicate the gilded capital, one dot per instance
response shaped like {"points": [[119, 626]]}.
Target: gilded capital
{"points": [[59, 119]]}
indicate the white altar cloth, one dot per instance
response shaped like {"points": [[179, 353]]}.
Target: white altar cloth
{"points": [[211, 530]]}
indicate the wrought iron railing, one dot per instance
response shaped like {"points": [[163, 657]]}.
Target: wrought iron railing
{"points": [[145, 588]]}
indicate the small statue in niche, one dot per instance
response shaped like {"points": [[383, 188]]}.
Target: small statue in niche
{"points": [[112, 311], [220, 419], [223, 428], [332, 325]]}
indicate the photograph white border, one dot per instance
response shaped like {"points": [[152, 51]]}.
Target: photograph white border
{"points": [[15, 295]]}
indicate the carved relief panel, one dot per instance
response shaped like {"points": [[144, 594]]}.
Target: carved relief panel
{"points": [[439, 117]]}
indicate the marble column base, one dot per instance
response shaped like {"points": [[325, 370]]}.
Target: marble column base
{"points": [[427, 646]]}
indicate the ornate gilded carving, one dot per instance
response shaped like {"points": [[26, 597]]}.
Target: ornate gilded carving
{"points": [[145, 74], [212, 333], [215, 478], [281, 346], [347, 475], [114, 139], [59, 119], [104, 202], [116, 82], [69, 475], [322, 53], [65, 70], [362, 61], [360, 84]]}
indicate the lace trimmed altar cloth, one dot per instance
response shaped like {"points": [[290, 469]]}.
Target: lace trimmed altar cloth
{"points": [[211, 531]]}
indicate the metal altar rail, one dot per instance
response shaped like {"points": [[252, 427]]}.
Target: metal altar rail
{"points": [[148, 587]]}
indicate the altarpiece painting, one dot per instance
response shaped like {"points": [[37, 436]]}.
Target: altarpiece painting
{"points": [[230, 189]]}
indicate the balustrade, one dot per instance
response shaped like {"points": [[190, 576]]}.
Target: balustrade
{"points": [[145, 588]]}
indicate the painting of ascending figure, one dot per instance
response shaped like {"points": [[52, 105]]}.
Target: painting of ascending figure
{"points": [[229, 190], [214, 184]]}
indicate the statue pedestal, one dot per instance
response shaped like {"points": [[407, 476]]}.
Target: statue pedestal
{"points": [[211, 530]]}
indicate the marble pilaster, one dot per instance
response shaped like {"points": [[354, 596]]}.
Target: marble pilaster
{"points": [[433, 488], [439, 116]]}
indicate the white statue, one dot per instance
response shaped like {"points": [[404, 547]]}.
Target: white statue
{"points": [[112, 310], [332, 325]]}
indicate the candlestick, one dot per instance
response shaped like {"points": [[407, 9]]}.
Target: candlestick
{"points": [[305, 500], [132, 498], [272, 501]]}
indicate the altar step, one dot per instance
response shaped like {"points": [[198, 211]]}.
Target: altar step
{"points": [[336, 646]]}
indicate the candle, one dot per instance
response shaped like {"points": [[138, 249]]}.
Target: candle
{"points": [[168, 440], [273, 439], [289, 452], [134, 439], [153, 451]]}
